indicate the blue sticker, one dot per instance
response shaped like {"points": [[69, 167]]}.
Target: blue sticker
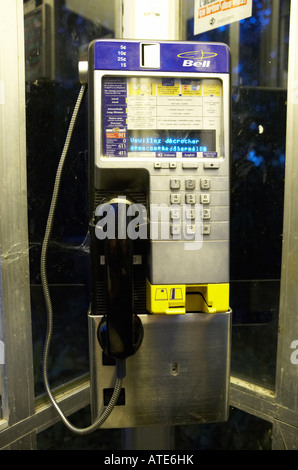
{"points": [[209, 154], [166, 154], [189, 154]]}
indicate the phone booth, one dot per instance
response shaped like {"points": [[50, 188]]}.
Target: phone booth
{"points": [[158, 303]]}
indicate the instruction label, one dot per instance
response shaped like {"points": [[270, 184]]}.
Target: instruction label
{"points": [[162, 112]]}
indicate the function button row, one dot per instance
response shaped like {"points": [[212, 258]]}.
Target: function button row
{"points": [[206, 165], [187, 165], [171, 165]]}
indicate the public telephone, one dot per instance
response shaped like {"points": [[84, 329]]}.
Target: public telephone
{"points": [[159, 233], [159, 212]]}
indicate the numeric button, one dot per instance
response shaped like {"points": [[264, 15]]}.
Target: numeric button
{"points": [[190, 184], [206, 229], [175, 214], [205, 199], [206, 214], [205, 183], [175, 183], [190, 214], [190, 198], [175, 198], [190, 229], [175, 230]]}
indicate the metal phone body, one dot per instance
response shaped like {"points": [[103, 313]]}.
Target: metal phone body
{"points": [[160, 135]]}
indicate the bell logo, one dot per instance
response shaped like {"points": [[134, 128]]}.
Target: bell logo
{"points": [[192, 63], [197, 58], [2, 353]]}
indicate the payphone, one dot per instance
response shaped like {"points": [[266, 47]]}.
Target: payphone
{"points": [[159, 229], [159, 233]]}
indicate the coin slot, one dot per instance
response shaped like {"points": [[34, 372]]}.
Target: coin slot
{"points": [[150, 56]]}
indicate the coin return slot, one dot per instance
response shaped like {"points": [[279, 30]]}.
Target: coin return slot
{"points": [[196, 299], [150, 56]]}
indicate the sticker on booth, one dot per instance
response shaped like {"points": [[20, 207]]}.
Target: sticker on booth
{"points": [[211, 14]]}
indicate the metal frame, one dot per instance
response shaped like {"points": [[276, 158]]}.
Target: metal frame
{"points": [[22, 416], [17, 401]]}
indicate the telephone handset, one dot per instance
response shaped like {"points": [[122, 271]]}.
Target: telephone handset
{"points": [[120, 332]]}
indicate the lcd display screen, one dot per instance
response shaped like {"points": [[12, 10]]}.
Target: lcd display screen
{"points": [[161, 117], [173, 141]]}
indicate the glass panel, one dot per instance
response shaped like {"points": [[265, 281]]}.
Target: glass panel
{"points": [[57, 34], [58, 437], [259, 52], [241, 432]]}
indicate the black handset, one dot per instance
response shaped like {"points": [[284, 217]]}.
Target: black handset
{"points": [[120, 332]]}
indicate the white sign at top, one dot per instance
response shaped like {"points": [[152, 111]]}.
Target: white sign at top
{"points": [[211, 14]]}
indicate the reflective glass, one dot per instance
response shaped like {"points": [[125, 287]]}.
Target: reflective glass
{"points": [[57, 34]]}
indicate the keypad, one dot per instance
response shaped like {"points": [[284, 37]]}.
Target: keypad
{"points": [[190, 191]]}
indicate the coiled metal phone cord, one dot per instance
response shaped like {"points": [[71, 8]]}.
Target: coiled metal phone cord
{"points": [[43, 270]]}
